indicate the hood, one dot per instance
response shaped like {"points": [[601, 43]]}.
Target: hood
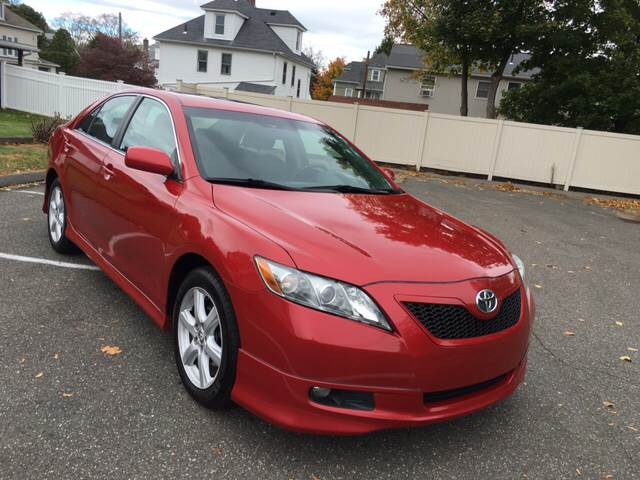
{"points": [[364, 239]]}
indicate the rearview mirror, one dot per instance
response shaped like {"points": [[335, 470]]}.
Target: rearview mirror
{"points": [[149, 160], [389, 173]]}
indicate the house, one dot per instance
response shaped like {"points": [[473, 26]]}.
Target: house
{"points": [[398, 77], [239, 46], [19, 41]]}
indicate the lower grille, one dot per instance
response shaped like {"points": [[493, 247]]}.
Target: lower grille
{"points": [[454, 322], [437, 397]]}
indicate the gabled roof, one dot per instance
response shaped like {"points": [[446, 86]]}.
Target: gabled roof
{"points": [[12, 19], [409, 57], [255, 34]]}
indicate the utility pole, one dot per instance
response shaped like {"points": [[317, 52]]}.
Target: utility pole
{"points": [[120, 26], [366, 72]]}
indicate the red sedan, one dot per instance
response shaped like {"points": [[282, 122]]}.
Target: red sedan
{"points": [[296, 276]]}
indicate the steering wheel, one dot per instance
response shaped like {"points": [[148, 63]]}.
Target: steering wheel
{"points": [[309, 168]]}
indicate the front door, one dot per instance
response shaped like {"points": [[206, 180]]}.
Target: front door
{"points": [[141, 204]]}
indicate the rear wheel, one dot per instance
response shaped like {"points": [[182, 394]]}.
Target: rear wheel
{"points": [[206, 338], [57, 220]]}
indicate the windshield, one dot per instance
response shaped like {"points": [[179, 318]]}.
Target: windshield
{"points": [[260, 151]]}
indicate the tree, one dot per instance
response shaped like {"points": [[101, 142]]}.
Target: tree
{"points": [[32, 16], [61, 50], [84, 28], [324, 88], [385, 46], [589, 66], [106, 58], [458, 35], [318, 60]]}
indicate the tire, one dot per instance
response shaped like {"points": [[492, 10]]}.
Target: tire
{"points": [[206, 349], [57, 220]]}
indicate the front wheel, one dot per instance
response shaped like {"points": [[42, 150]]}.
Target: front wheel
{"points": [[206, 338], [57, 220]]}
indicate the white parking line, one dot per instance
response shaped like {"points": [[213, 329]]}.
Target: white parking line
{"points": [[44, 261]]}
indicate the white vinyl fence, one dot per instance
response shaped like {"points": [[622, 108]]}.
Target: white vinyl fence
{"points": [[48, 94], [493, 148]]}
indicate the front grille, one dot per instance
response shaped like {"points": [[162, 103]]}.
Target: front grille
{"points": [[437, 397], [454, 322]]}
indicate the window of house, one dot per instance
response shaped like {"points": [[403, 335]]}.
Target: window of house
{"points": [[483, 89], [225, 69], [373, 95], [284, 73], [220, 24], [299, 41], [1, 11], [203, 59], [375, 75], [514, 86], [293, 76], [348, 92], [108, 119], [428, 86], [299, 88], [4, 37]]}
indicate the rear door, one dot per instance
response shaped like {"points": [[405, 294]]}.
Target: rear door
{"points": [[85, 148], [140, 210]]}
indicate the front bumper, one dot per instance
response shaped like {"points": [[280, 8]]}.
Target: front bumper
{"points": [[289, 349]]}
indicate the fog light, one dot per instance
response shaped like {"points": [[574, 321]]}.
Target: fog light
{"points": [[343, 398], [319, 392]]}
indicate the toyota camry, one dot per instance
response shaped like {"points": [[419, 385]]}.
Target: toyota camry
{"points": [[297, 279]]}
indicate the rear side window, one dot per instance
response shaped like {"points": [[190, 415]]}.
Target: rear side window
{"points": [[108, 119], [151, 126], [86, 123]]}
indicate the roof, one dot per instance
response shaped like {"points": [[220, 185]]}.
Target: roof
{"points": [[12, 19], [255, 34], [255, 88], [410, 57]]}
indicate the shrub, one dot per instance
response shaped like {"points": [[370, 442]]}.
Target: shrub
{"points": [[43, 128]]}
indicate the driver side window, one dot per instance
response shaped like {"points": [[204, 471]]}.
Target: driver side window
{"points": [[151, 126]]}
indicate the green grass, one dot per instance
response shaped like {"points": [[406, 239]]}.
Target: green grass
{"points": [[16, 124], [22, 158]]}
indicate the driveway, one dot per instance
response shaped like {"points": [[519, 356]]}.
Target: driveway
{"points": [[68, 410]]}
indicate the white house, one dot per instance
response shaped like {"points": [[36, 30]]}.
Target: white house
{"points": [[238, 46]]}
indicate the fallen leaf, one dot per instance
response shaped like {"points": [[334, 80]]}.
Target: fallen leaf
{"points": [[620, 324], [539, 287], [40, 375], [55, 356], [608, 404], [67, 395], [569, 334], [578, 472], [581, 319], [626, 358], [632, 349], [111, 351], [22, 360], [313, 477], [608, 477], [216, 450], [571, 271], [588, 268], [633, 429]]}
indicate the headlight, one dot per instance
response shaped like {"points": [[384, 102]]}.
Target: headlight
{"points": [[520, 265], [321, 293]]}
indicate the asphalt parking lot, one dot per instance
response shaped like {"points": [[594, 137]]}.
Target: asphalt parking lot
{"points": [[67, 410]]}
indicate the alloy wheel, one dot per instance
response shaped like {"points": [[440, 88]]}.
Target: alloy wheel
{"points": [[56, 214], [200, 338]]}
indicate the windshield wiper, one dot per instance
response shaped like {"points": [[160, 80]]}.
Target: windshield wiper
{"points": [[250, 183], [349, 189]]}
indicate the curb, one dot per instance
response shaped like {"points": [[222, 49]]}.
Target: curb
{"points": [[22, 178]]}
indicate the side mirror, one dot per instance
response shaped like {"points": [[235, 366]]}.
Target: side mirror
{"points": [[389, 173], [149, 160]]}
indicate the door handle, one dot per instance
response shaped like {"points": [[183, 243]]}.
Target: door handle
{"points": [[67, 146], [107, 171]]}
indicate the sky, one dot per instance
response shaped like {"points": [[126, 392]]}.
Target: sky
{"points": [[345, 28]]}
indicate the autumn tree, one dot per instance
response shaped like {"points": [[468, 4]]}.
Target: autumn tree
{"points": [[318, 60], [106, 58], [324, 88]]}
